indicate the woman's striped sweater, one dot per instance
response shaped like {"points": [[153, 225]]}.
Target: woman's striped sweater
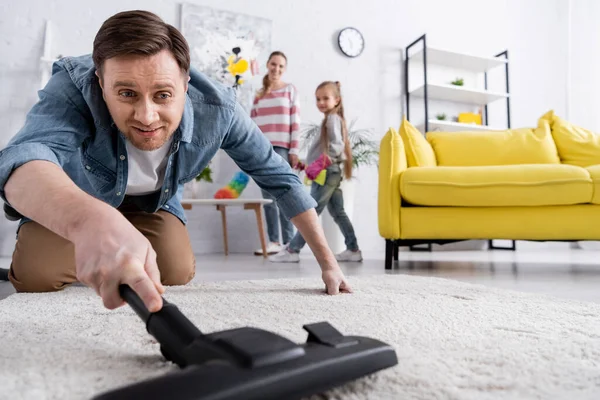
{"points": [[277, 114]]}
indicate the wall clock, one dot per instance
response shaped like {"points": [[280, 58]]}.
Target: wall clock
{"points": [[351, 42]]}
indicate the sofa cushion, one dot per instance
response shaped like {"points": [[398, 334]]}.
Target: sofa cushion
{"points": [[509, 185], [594, 171], [508, 147], [418, 151], [576, 145]]}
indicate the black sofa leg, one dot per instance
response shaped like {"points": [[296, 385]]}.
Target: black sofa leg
{"points": [[513, 246], [396, 247], [390, 245]]}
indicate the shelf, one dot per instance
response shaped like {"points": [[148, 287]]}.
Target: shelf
{"points": [[459, 60], [458, 94], [449, 126], [436, 85]]}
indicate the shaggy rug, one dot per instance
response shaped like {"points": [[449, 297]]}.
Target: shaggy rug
{"points": [[454, 340]]}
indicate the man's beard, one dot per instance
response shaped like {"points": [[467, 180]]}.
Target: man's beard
{"points": [[150, 143]]}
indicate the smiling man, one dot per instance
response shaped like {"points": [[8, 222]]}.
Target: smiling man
{"points": [[98, 168]]}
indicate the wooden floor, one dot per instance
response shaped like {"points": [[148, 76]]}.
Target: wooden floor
{"points": [[573, 274]]}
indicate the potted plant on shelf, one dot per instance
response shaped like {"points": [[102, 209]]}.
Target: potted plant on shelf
{"points": [[365, 152], [193, 188], [206, 175]]}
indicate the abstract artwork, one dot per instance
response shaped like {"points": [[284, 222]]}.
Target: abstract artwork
{"points": [[227, 46]]}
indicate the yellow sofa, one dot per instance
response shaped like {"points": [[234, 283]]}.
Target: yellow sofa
{"points": [[539, 183]]}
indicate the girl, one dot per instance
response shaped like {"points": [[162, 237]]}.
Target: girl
{"points": [[333, 143], [276, 112]]}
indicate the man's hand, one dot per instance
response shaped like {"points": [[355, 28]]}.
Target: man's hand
{"points": [[114, 252], [335, 281], [308, 225], [108, 249], [293, 160]]}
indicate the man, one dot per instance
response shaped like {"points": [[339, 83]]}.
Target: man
{"points": [[99, 166]]}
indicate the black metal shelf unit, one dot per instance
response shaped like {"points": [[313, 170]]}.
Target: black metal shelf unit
{"points": [[392, 245], [425, 84]]}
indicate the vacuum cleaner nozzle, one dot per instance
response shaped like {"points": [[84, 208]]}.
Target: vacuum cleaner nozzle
{"points": [[250, 363]]}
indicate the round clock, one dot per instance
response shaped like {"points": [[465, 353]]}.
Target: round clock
{"points": [[351, 42]]}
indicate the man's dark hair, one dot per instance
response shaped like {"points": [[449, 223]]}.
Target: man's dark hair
{"points": [[139, 33]]}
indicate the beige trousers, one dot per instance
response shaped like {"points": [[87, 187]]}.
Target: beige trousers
{"points": [[44, 261]]}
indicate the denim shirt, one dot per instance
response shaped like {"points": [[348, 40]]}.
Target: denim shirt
{"points": [[71, 127]]}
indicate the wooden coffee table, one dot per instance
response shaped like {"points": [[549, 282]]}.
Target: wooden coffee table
{"points": [[222, 204]]}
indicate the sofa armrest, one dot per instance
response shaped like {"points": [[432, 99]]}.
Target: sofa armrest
{"points": [[392, 162]]}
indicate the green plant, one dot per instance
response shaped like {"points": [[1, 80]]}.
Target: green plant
{"points": [[458, 82], [205, 175], [441, 117], [365, 150]]}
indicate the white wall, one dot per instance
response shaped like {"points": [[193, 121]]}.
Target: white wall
{"points": [[532, 30], [585, 64]]}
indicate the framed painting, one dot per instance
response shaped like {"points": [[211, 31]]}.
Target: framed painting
{"points": [[227, 46]]}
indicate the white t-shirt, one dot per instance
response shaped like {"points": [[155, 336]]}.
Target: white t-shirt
{"points": [[146, 169]]}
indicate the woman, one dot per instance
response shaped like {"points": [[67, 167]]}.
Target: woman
{"points": [[276, 112]]}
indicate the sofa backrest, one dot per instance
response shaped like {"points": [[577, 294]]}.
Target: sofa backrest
{"points": [[508, 147]]}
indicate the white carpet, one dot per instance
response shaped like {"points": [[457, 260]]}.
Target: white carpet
{"points": [[453, 340]]}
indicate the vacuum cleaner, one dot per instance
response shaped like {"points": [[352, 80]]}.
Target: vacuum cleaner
{"points": [[249, 363], [245, 363], [12, 215]]}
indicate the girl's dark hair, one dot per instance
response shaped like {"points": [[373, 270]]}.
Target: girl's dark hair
{"points": [[139, 32]]}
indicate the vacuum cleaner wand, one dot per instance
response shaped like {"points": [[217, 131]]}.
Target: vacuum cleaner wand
{"points": [[135, 302], [249, 363], [180, 340]]}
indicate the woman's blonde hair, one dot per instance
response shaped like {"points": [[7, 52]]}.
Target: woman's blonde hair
{"points": [[339, 110], [266, 81]]}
